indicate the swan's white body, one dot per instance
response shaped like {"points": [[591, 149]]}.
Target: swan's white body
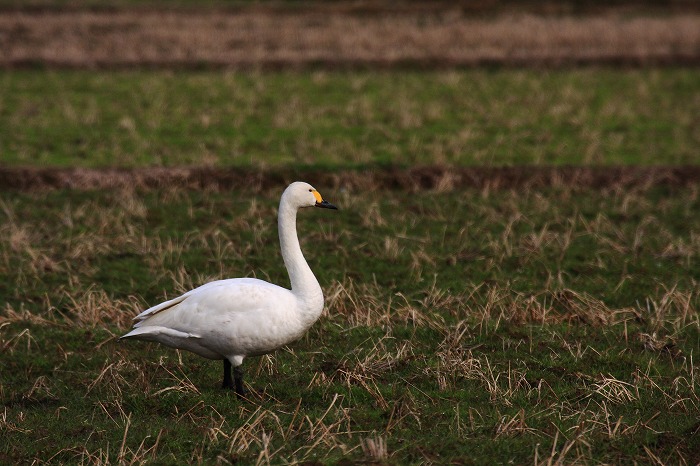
{"points": [[234, 318]]}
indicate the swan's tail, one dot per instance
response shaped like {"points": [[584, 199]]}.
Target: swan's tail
{"points": [[157, 333]]}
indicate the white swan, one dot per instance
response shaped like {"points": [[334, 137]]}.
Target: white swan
{"points": [[234, 318]]}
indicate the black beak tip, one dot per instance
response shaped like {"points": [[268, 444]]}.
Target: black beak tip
{"points": [[326, 205]]}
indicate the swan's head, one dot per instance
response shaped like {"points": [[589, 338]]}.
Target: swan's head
{"points": [[303, 194]]}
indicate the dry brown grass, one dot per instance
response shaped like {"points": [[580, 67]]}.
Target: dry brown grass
{"points": [[297, 38]]}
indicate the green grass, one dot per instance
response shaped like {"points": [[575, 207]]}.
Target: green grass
{"points": [[465, 326], [333, 119], [461, 327]]}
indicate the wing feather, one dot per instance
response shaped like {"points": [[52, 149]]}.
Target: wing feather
{"points": [[234, 316]]}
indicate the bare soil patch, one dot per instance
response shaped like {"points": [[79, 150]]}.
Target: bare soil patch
{"points": [[438, 178], [339, 37]]}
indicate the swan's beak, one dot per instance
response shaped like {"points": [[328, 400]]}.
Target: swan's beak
{"points": [[325, 205], [321, 203]]}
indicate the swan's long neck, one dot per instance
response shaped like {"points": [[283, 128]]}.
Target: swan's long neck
{"points": [[304, 284]]}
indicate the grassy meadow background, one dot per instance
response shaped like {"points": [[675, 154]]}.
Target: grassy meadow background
{"points": [[351, 118], [484, 323]]}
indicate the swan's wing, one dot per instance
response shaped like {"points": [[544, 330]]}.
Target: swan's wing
{"points": [[220, 303], [227, 317], [175, 301], [158, 308]]}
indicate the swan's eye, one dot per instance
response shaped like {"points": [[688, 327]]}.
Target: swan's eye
{"points": [[311, 190]]}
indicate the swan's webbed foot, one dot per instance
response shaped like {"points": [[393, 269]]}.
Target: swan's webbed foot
{"points": [[234, 383]]}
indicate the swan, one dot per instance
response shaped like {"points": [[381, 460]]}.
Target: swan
{"points": [[234, 318]]}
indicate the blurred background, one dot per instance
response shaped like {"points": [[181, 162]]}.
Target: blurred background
{"points": [[348, 84]]}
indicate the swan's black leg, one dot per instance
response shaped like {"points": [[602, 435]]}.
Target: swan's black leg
{"points": [[235, 383], [238, 381], [228, 383]]}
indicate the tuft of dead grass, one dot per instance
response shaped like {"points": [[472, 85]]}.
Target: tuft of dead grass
{"points": [[265, 432]]}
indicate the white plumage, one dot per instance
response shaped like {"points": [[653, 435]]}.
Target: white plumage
{"points": [[239, 317]]}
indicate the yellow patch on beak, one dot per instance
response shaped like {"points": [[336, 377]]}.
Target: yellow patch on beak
{"points": [[317, 195]]}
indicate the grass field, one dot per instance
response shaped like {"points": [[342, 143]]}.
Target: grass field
{"points": [[542, 326], [475, 117], [487, 324]]}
